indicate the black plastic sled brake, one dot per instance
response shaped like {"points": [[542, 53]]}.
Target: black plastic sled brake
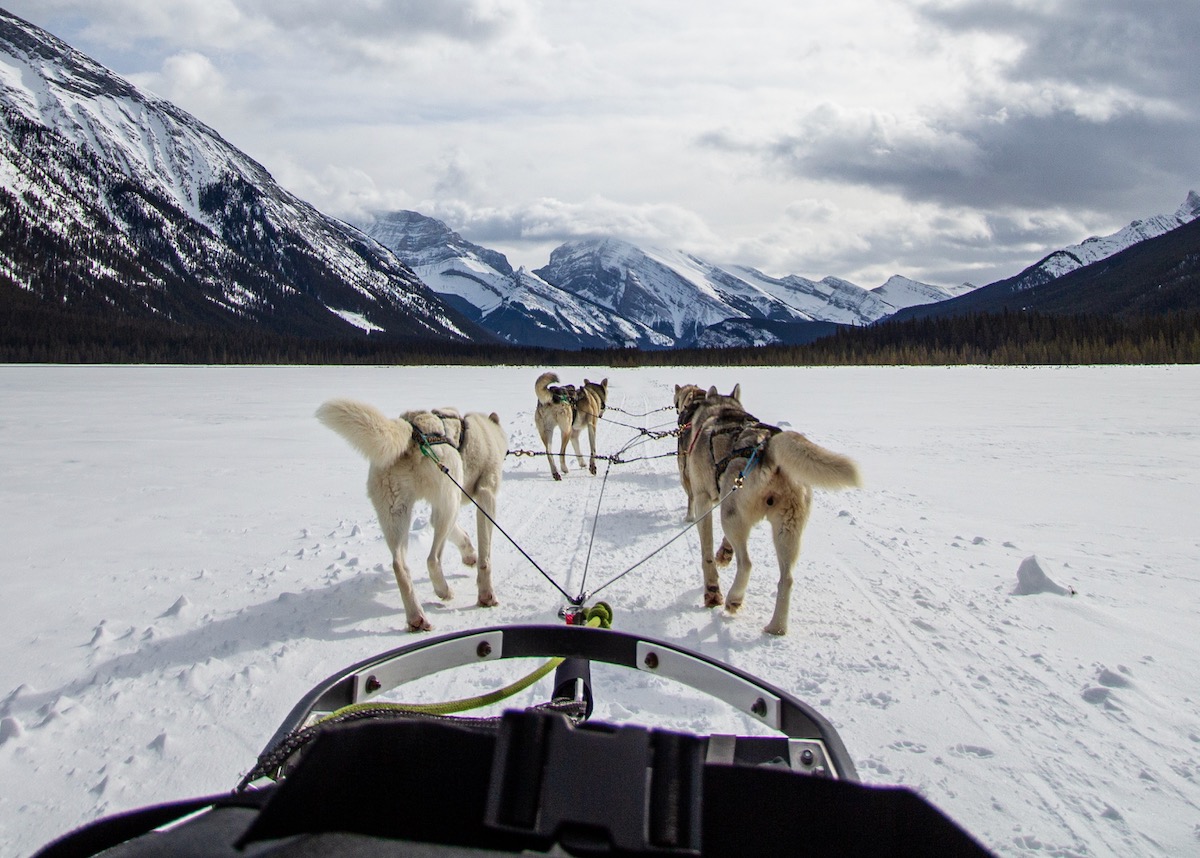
{"points": [[349, 775]]}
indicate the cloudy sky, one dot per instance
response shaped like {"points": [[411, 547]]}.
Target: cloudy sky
{"points": [[945, 140]]}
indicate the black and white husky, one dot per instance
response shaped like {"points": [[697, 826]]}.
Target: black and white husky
{"points": [[570, 410]]}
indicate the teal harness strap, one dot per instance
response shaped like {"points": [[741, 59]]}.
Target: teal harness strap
{"points": [[758, 448], [426, 442]]}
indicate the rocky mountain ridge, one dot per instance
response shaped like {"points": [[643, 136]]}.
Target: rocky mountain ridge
{"points": [[115, 201]]}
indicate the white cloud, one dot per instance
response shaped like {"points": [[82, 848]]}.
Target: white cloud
{"points": [[190, 80], [858, 139], [457, 177], [532, 228], [133, 24], [348, 193]]}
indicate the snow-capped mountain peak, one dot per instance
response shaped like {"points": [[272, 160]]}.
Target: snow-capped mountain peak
{"points": [[1093, 249], [901, 292], [142, 208], [517, 306]]}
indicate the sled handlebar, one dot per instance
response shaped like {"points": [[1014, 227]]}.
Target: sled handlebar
{"points": [[816, 744]]}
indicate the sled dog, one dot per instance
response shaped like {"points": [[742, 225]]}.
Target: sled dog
{"points": [[407, 455], [777, 471], [569, 409]]}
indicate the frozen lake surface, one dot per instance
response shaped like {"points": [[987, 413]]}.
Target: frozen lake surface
{"points": [[187, 550]]}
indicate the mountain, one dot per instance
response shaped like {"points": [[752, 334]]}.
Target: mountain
{"points": [[515, 306], [901, 292], [115, 202], [748, 333], [605, 293], [1150, 267], [684, 296], [1093, 249]]}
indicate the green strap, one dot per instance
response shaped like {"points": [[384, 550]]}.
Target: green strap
{"points": [[598, 616], [426, 447], [450, 706]]}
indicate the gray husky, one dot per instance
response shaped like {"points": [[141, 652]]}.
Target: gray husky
{"points": [[407, 455], [754, 471]]}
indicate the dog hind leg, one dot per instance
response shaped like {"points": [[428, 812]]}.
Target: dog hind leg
{"points": [[578, 452], [737, 537], [395, 523], [547, 435], [486, 498], [565, 435], [712, 581], [463, 543], [685, 481], [442, 517], [592, 446], [787, 550]]}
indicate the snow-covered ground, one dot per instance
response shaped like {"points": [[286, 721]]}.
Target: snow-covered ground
{"points": [[187, 550]]}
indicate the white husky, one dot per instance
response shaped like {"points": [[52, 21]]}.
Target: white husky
{"points": [[776, 471], [407, 455]]}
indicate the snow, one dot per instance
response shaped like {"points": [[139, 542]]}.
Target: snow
{"points": [[356, 319], [1032, 578], [187, 551], [1093, 249]]}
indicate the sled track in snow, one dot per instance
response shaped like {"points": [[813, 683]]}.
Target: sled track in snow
{"points": [[954, 642]]}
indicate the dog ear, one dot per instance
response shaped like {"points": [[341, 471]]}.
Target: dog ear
{"points": [[677, 388], [604, 384], [712, 391], [736, 393], [494, 417]]}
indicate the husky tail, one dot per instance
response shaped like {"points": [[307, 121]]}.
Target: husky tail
{"points": [[805, 462], [542, 387], [380, 438]]}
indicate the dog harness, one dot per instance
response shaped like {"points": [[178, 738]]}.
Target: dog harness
{"points": [[569, 394], [750, 439], [684, 422], [426, 441]]}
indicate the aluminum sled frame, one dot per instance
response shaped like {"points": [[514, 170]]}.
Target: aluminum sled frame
{"points": [[536, 781], [812, 745]]}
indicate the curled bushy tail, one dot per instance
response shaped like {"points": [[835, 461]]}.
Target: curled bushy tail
{"points": [[802, 461], [380, 438], [542, 387]]}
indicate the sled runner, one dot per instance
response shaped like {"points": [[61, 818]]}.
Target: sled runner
{"points": [[348, 775]]}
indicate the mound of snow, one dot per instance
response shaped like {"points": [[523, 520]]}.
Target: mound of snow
{"points": [[1032, 579]]}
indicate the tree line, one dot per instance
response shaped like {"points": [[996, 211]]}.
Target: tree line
{"points": [[35, 331]]}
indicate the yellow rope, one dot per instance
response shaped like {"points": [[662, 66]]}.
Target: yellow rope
{"points": [[598, 616]]}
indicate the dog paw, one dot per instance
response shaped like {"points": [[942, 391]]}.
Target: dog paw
{"points": [[446, 595], [487, 601], [773, 629], [469, 559], [733, 607], [592, 470], [713, 597], [420, 625], [724, 553], [557, 475]]}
